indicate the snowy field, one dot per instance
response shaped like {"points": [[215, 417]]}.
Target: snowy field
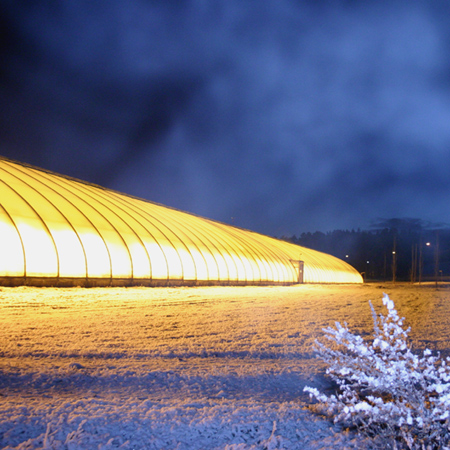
{"points": [[184, 368]]}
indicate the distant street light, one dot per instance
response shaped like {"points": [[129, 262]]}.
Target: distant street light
{"points": [[437, 272], [394, 260]]}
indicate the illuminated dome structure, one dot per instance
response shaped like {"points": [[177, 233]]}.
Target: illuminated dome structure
{"points": [[59, 231]]}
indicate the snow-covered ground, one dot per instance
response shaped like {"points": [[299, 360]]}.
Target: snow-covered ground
{"points": [[184, 368]]}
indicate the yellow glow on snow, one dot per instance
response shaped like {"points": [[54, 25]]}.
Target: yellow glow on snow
{"points": [[54, 227]]}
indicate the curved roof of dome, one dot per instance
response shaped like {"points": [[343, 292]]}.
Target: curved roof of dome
{"points": [[56, 230]]}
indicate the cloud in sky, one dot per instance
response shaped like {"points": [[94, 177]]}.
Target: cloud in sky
{"points": [[286, 116]]}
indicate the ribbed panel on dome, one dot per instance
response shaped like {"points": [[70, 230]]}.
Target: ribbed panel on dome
{"points": [[55, 230]]}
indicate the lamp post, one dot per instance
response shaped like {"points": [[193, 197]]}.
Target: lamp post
{"points": [[421, 260], [394, 260], [394, 265], [437, 272], [413, 262], [436, 259]]}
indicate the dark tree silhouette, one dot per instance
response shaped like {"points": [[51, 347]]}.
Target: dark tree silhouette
{"points": [[422, 249]]}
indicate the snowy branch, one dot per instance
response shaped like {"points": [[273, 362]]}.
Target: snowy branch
{"points": [[386, 390]]}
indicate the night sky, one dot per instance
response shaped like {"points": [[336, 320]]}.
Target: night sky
{"points": [[279, 116]]}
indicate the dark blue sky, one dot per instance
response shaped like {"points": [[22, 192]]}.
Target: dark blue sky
{"points": [[287, 116]]}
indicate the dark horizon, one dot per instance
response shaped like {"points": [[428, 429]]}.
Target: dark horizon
{"points": [[394, 249]]}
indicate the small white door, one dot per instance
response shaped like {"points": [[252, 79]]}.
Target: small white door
{"points": [[299, 265]]}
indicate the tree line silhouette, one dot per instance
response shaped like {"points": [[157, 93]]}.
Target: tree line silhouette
{"points": [[393, 249]]}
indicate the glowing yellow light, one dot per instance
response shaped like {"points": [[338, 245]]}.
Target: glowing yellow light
{"points": [[98, 262], [40, 253], [10, 245], [72, 262], [52, 227]]}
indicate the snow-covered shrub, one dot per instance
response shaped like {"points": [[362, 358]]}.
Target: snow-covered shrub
{"points": [[384, 389]]}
